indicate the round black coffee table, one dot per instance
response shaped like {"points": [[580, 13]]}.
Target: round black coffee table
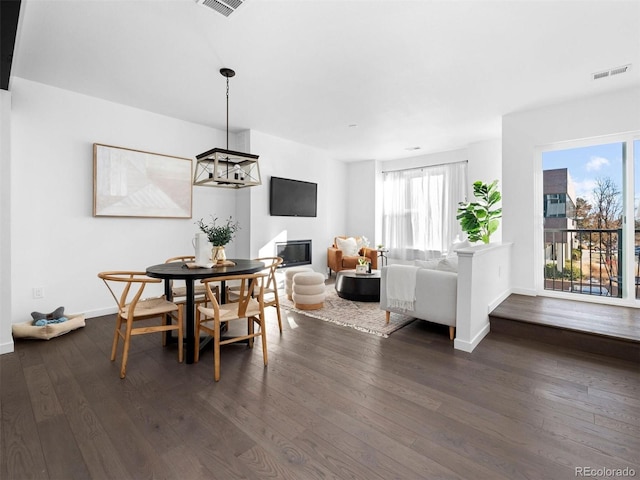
{"points": [[360, 288]]}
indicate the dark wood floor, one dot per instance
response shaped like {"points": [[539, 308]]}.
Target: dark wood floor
{"points": [[333, 403], [591, 327], [605, 320]]}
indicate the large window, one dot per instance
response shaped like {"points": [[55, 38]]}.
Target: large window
{"points": [[588, 193], [419, 209]]}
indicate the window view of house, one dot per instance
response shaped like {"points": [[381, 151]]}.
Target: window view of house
{"points": [[583, 195]]}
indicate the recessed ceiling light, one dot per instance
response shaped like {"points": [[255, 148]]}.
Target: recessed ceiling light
{"points": [[412, 148], [353, 125]]}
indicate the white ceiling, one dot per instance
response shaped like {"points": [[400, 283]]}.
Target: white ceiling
{"points": [[431, 74]]}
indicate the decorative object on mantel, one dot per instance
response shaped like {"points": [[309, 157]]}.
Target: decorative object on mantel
{"points": [[221, 167], [480, 219], [219, 236]]}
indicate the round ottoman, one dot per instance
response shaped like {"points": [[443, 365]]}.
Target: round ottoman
{"points": [[288, 280], [308, 291]]}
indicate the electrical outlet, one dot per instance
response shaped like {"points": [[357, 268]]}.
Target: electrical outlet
{"points": [[38, 292]]}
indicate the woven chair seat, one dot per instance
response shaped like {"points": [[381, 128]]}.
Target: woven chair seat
{"points": [[232, 293], [249, 307], [270, 287], [230, 311], [179, 290], [126, 288], [151, 306], [182, 291]]}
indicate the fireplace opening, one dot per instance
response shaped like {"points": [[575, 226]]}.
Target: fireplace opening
{"points": [[294, 252]]}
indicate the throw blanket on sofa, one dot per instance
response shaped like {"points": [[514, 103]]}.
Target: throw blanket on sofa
{"points": [[401, 286]]}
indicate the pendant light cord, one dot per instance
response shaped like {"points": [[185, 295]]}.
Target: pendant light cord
{"points": [[227, 113]]}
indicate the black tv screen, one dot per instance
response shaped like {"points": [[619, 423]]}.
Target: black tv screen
{"points": [[292, 198]]}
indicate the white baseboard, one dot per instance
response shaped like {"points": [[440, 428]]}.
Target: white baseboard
{"points": [[6, 348], [99, 312], [499, 300], [475, 341], [525, 291]]}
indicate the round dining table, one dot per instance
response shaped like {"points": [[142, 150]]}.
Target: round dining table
{"points": [[180, 271]]}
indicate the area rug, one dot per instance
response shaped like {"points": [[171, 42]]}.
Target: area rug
{"points": [[363, 316]]}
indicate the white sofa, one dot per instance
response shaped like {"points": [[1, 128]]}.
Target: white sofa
{"points": [[460, 300], [436, 297]]}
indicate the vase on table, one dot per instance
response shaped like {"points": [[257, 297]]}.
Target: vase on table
{"points": [[217, 254]]}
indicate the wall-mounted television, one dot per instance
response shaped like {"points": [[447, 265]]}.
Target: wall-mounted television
{"points": [[293, 198]]}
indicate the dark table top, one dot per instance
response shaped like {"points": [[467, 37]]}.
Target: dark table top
{"points": [[179, 270], [364, 276]]}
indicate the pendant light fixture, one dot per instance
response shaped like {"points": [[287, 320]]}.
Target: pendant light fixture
{"points": [[221, 167]]}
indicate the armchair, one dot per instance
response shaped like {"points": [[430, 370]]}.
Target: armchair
{"points": [[345, 252]]}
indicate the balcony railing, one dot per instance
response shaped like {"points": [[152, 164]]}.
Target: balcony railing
{"points": [[587, 261]]}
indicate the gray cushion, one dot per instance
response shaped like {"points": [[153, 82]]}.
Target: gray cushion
{"points": [[57, 313]]}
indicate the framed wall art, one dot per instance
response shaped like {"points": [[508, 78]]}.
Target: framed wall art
{"points": [[133, 183]]}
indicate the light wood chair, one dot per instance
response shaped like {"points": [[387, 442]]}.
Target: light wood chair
{"points": [[126, 288], [249, 306], [179, 290], [270, 287]]}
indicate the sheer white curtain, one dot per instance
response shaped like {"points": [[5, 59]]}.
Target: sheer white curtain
{"points": [[419, 210]]}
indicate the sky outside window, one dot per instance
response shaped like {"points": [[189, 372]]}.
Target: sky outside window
{"points": [[587, 164]]}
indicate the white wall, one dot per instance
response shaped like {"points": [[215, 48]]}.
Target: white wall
{"points": [[6, 342], [522, 132], [284, 158], [57, 243], [361, 195], [450, 156], [483, 282], [485, 161], [485, 164]]}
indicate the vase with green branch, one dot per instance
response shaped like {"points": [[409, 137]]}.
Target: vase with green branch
{"points": [[219, 235], [480, 219]]}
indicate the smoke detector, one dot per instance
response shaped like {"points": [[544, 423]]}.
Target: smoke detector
{"points": [[225, 7], [611, 72]]}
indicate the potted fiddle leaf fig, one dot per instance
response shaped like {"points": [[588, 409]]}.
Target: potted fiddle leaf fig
{"points": [[480, 219]]}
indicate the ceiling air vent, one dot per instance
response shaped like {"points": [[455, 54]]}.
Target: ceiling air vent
{"points": [[599, 75], [225, 7], [619, 70], [611, 72]]}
